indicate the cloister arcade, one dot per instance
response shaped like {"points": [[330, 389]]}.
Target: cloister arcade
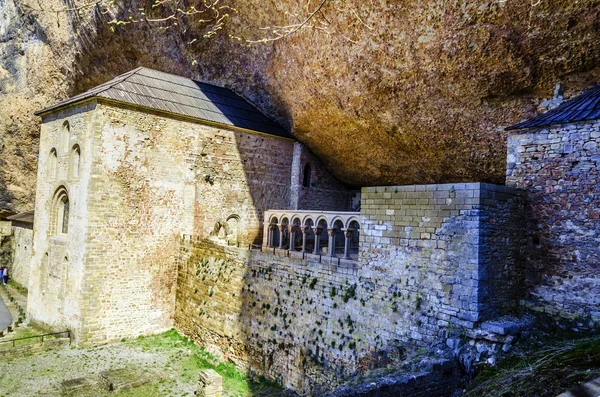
{"points": [[324, 233]]}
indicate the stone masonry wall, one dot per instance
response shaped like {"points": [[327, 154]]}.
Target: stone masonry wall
{"points": [[454, 248], [325, 192], [57, 264], [22, 253], [311, 325], [559, 169], [154, 178], [143, 181]]}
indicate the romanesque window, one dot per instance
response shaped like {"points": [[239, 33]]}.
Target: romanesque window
{"points": [[65, 134], [306, 181], [74, 161], [60, 213], [52, 164]]}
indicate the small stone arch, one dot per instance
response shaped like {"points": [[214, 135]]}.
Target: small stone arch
{"points": [[322, 220], [338, 238], [60, 212], [351, 220], [65, 136], [307, 221], [296, 220], [52, 164], [274, 235], [337, 220], [75, 161], [307, 175]]}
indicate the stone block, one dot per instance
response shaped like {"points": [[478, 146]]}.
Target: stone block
{"points": [[78, 386], [210, 384], [123, 378], [501, 327]]}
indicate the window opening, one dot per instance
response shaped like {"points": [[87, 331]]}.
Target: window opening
{"points": [[306, 182]]}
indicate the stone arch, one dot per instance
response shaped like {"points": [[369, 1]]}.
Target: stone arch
{"points": [[354, 228], [234, 221], [307, 175], [75, 161], [351, 220], [321, 237], [52, 164], [65, 136], [297, 233], [322, 220], [337, 220], [60, 212], [296, 220], [284, 231], [308, 220], [274, 234], [338, 240]]}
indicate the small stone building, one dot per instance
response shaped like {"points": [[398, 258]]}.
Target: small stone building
{"points": [[555, 158], [128, 167]]}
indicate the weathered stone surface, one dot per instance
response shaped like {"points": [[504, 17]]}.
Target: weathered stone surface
{"points": [[311, 325], [123, 378], [502, 328], [558, 167], [210, 384], [74, 387], [139, 183], [393, 94]]}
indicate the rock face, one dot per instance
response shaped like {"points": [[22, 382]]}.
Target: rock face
{"points": [[384, 92]]}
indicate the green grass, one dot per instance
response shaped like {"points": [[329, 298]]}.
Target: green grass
{"points": [[549, 371], [18, 287], [234, 383]]}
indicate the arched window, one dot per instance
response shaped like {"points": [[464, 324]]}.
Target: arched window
{"points": [[74, 161], [306, 180], [65, 134], [64, 211], [60, 212], [52, 164]]}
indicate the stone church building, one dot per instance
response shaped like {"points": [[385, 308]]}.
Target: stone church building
{"points": [[128, 167]]}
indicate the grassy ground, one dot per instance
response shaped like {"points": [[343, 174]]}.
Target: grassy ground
{"points": [[22, 290], [557, 364], [188, 365], [169, 362]]}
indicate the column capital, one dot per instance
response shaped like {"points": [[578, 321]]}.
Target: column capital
{"points": [[294, 228], [317, 230], [331, 231], [282, 226], [348, 232], [305, 229]]}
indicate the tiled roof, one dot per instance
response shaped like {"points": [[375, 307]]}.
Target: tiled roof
{"points": [[583, 107], [180, 95]]}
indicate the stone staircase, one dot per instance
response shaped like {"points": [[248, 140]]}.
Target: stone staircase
{"points": [[12, 342], [16, 303]]}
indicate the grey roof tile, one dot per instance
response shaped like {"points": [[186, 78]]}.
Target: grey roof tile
{"points": [[180, 95], [584, 107]]}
